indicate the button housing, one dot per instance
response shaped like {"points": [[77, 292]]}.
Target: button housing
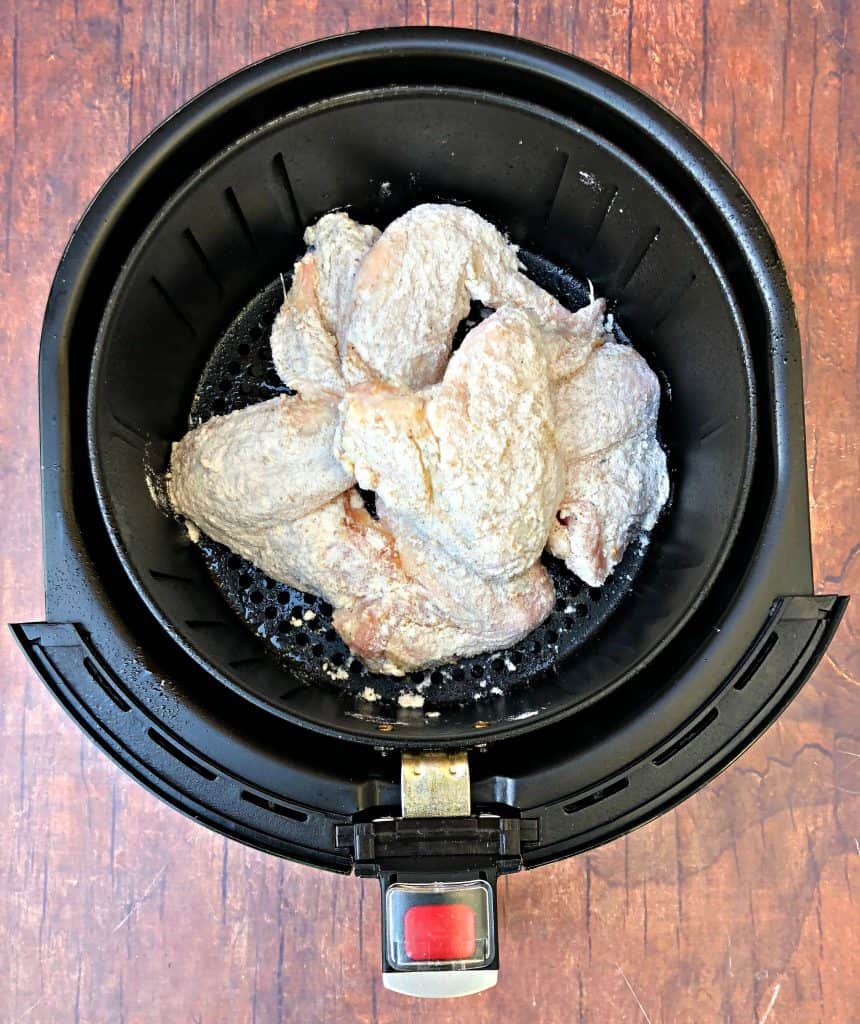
{"points": [[443, 925]]}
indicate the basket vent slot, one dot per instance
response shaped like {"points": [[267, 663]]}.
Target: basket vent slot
{"points": [[105, 685], [667, 302], [204, 260], [596, 796], [757, 661], [275, 808], [241, 220], [601, 218], [172, 305], [635, 259], [181, 756], [687, 738], [280, 169]]}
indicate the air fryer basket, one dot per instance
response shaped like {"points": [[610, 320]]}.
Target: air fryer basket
{"points": [[564, 192], [684, 663]]}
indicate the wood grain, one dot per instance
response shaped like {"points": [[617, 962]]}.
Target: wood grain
{"points": [[741, 906]]}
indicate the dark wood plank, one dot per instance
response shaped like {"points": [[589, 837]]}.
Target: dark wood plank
{"points": [[736, 907]]}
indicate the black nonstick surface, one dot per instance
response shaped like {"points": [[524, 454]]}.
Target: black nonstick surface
{"points": [[297, 627]]}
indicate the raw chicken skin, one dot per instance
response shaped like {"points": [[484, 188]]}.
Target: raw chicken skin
{"points": [[495, 609], [339, 245], [393, 636], [471, 464], [415, 285], [303, 348], [340, 325], [570, 338], [396, 624], [614, 397], [241, 474], [335, 551], [612, 496], [305, 333], [616, 477]]}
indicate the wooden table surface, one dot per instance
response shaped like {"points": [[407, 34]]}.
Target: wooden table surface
{"points": [[741, 906]]}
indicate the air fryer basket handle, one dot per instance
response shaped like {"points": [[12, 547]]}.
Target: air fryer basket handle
{"points": [[439, 934], [438, 885]]}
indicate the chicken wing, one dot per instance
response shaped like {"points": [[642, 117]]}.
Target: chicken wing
{"points": [[263, 482], [393, 636], [237, 476], [419, 619], [616, 477], [500, 610], [471, 464], [415, 284], [337, 551], [386, 617], [305, 334]]}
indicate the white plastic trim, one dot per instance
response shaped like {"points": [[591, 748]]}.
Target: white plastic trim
{"points": [[439, 984]]}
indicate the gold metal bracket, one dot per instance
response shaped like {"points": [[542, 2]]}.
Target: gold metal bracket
{"points": [[435, 785]]}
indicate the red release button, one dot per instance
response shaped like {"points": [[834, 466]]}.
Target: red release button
{"points": [[439, 931]]}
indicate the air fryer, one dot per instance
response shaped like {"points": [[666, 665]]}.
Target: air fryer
{"points": [[175, 658]]}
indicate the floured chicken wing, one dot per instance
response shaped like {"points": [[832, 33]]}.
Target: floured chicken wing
{"points": [[240, 474], [263, 481], [614, 397], [337, 551], [415, 284], [401, 620], [616, 477], [497, 609], [570, 338], [393, 636], [471, 464], [387, 617], [305, 333], [611, 497], [339, 325]]}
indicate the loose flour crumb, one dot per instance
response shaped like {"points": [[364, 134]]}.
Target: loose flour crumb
{"points": [[309, 616], [410, 700], [368, 693], [294, 621]]}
